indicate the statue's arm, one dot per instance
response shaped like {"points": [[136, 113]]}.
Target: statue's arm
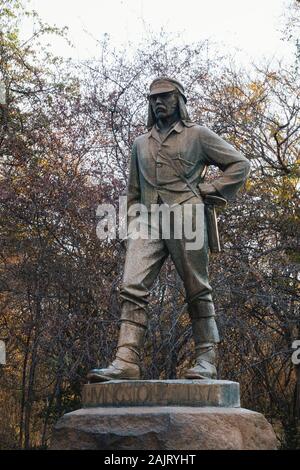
{"points": [[133, 191], [234, 165]]}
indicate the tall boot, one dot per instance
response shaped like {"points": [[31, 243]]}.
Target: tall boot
{"points": [[206, 336], [131, 337]]}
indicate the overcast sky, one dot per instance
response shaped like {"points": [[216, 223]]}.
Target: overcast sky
{"points": [[250, 29]]}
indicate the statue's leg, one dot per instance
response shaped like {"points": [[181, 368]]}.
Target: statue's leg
{"points": [[192, 266], [144, 259], [206, 336]]}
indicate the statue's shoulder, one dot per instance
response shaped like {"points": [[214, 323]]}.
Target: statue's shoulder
{"points": [[140, 139], [194, 127], [189, 124], [199, 129]]}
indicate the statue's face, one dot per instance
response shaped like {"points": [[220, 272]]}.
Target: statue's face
{"points": [[164, 105]]}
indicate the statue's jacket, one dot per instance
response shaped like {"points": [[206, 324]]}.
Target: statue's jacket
{"points": [[193, 148]]}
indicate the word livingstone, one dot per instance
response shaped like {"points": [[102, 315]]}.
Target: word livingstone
{"points": [[162, 393], [129, 394]]}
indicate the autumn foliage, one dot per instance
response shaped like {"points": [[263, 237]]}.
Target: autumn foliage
{"points": [[66, 130]]}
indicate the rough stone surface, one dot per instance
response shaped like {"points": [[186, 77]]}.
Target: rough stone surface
{"points": [[162, 393], [151, 428]]}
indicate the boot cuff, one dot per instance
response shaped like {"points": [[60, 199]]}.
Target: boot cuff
{"points": [[200, 309], [135, 314]]}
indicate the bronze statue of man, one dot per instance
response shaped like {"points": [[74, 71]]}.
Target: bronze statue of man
{"points": [[167, 166]]}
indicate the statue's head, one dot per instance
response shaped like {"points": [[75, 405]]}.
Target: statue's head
{"points": [[166, 98]]}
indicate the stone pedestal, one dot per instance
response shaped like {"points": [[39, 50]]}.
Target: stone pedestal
{"points": [[163, 414], [162, 393]]}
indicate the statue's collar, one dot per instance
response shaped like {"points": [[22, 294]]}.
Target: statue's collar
{"points": [[178, 127]]}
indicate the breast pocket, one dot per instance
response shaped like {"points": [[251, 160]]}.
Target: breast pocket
{"points": [[186, 165]]}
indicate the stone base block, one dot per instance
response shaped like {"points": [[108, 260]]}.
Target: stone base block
{"points": [[163, 428], [162, 393]]}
